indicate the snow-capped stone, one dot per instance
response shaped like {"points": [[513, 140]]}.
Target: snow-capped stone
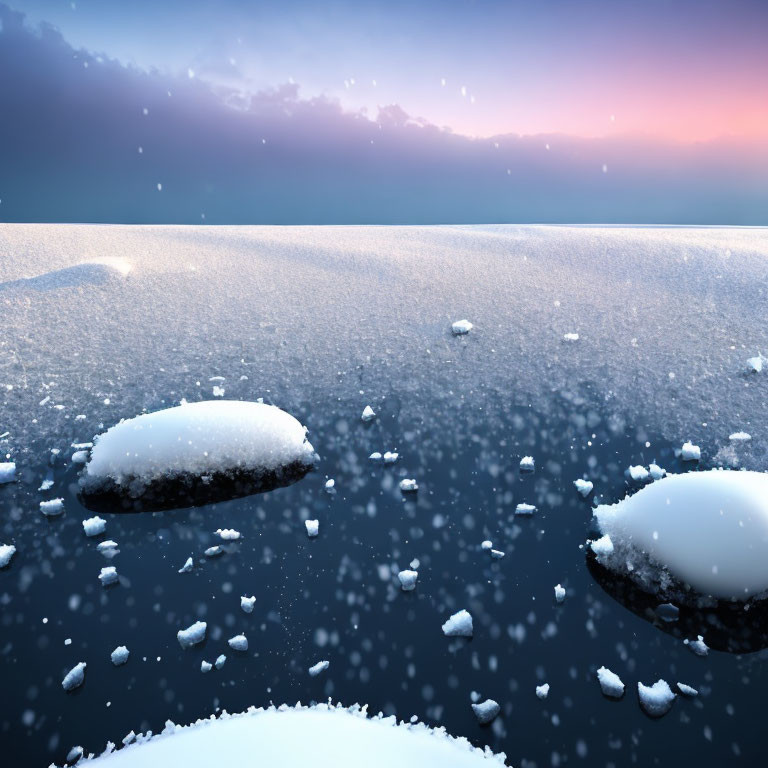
{"points": [[120, 655], [707, 529], [610, 683], [584, 487], [690, 452], [330, 485], [740, 437], [106, 546], [668, 612], [408, 580], [94, 526], [497, 554], [686, 690], [461, 327], [697, 646], [390, 457], [187, 567], [313, 527], [79, 457], [316, 669], [459, 625], [238, 643], [486, 711], [527, 464], [46, 485], [228, 534], [408, 485], [214, 551], [7, 472], [52, 508], [221, 659], [108, 576], [559, 593], [205, 666], [375, 456], [75, 677], [192, 635], [74, 754], [542, 691], [602, 547], [486, 545], [525, 509], [656, 471], [655, 700], [203, 439], [7, 551], [368, 413], [247, 603], [638, 473], [755, 364], [571, 337]]}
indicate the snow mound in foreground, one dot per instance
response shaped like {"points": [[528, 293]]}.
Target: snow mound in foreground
{"points": [[322, 736], [707, 530], [203, 451]]}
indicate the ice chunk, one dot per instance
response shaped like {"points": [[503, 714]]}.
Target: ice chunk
{"points": [[375, 456], [740, 437], [7, 551], [228, 534], [655, 700], [610, 683], [390, 457], [602, 547], [527, 464], [571, 337], [368, 414], [755, 364], [486, 711], [220, 661], [192, 635], [486, 545], [187, 567], [525, 509], [686, 690], [459, 625], [46, 485], [206, 666], [638, 473], [94, 526], [542, 691], [75, 677], [497, 554], [408, 580], [313, 527], [559, 593], [316, 669], [460, 327], [408, 485], [247, 603], [120, 655], [690, 452], [330, 485], [584, 487], [238, 643], [186, 448], [52, 508], [214, 551], [7, 471], [108, 576], [697, 646], [708, 530]]}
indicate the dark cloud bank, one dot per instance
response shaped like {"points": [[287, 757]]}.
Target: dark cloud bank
{"points": [[71, 124]]}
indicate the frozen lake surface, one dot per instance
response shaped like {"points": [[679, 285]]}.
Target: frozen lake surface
{"points": [[101, 323]]}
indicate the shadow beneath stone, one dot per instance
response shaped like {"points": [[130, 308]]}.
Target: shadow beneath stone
{"points": [[727, 626], [187, 490]]}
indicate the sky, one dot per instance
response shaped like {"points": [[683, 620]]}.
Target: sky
{"points": [[294, 111]]}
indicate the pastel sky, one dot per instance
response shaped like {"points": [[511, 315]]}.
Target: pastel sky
{"points": [[426, 111], [682, 69]]}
